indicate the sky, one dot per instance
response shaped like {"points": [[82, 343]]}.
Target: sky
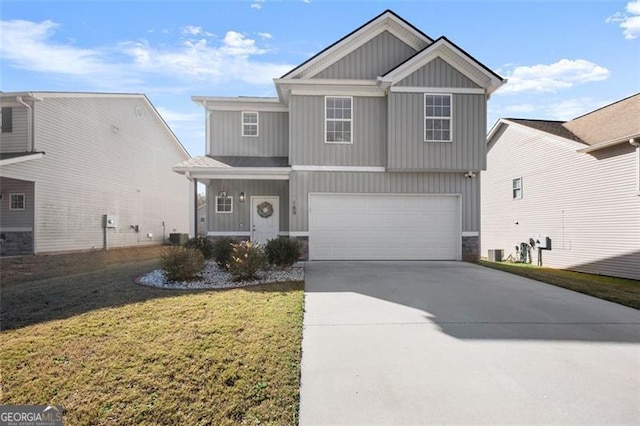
{"points": [[562, 58]]}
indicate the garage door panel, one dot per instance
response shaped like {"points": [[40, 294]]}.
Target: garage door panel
{"points": [[383, 227]]}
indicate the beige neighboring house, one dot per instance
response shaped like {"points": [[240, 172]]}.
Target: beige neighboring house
{"points": [[70, 162], [577, 182]]}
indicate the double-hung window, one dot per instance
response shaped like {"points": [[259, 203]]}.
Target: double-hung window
{"points": [[517, 188], [437, 118], [250, 124], [338, 119], [224, 204], [16, 202]]}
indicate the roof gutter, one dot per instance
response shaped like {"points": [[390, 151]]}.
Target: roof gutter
{"points": [[632, 139]]}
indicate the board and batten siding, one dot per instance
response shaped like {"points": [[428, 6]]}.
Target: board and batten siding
{"points": [[303, 183], [407, 149], [374, 58], [18, 139], [103, 158], [240, 219], [226, 135], [437, 73], [16, 220], [586, 203], [307, 130]]}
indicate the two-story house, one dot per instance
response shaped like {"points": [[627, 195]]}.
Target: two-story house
{"points": [[370, 151], [68, 160]]}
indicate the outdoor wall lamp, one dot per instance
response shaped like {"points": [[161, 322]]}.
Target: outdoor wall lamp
{"points": [[241, 197]]}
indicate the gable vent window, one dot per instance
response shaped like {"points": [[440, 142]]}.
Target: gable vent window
{"points": [[224, 204], [338, 116], [437, 118], [16, 202], [517, 188], [250, 124], [7, 119]]}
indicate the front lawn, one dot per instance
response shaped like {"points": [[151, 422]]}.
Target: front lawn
{"points": [[112, 352], [619, 290]]}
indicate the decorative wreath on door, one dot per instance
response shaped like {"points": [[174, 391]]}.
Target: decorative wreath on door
{"points": [[265, 209]]}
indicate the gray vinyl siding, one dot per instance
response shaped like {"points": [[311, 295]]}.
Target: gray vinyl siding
{"points": [[375, 58], [437, 73], [586, 203], [103, 159], [16, 218], [16, 140], [302, 183], [407, 149], [226, 135], [307, 144], [240, 219]]}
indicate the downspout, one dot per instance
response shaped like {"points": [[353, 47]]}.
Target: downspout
{"points": [[30, 127], [634, 142]]}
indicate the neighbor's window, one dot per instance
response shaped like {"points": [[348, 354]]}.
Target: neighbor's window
{"points": [[16, 202], [249, 124], [338, 114], [437, 118], [517, 188], [224, 204], [7, 119]]}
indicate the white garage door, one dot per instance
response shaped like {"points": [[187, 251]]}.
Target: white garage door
{"points": [[384, 227]]}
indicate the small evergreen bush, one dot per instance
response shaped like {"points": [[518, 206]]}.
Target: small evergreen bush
{"points": [[283, 252], [203, 244], [247, 259], [221, 251], [181, 263]]}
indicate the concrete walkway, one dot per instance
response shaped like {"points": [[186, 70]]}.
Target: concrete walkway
{"points": [[449, 342]]}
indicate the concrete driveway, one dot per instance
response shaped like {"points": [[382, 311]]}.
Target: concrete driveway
{"points": [[450, 342]]}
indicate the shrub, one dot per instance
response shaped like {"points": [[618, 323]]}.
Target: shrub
{"points": [[203, 244], [181, 264], [221, 251], [246, 260], [283, 252]]}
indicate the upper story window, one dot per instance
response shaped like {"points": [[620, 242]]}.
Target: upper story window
{"points": [[224, 204], [517, 188], [249, 124], [437, 118], [338, 112], [16, 201], [7, 119]]}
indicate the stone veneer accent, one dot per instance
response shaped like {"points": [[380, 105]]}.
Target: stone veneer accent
{"points": [[16, 243], [470, 249]]}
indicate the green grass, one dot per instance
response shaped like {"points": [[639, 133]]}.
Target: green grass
{"points": [[112, 352], [623, 291]]}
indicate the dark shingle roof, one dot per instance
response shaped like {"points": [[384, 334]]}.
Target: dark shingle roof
{"points": [[549, 126], [237, 161]]}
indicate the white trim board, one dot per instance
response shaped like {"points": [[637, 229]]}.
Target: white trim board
{"points": [[470, 233], [16, 229], [438, 90], [369, 169]]}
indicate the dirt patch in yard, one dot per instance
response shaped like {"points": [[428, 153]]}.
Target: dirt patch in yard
{"points": [[29, 268]]}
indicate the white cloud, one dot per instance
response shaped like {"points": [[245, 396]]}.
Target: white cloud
{"points": [[265, 36], [306, 1], [629, 21], [571, 108], [195, 31], [30, 46], [560, 75], [257, 4]]}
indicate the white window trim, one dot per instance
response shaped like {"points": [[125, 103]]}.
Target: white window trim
{"points": [[221, 212], [513, 197], [425, 117], [338, 119], [24, 201], [257, 124]]}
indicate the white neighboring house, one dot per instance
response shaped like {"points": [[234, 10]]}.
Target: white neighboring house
{"points": [[69, 159], [577, 182]]}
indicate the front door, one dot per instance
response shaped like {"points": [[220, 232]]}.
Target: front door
{"points": [[265, 219]]}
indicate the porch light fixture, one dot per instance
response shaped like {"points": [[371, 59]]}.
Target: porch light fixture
{"points": [[241, 197]]}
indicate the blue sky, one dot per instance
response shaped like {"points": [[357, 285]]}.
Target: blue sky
{"points": [[562, 58]]}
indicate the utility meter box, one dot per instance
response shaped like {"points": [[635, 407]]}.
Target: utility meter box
{"points": [[543, 242], [109, 221]]}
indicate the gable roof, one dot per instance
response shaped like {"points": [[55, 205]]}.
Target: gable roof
{"points": [[549, 126], [452, 54], [386, 21]]}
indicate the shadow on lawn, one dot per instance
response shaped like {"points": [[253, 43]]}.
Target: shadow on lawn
{"points": [[32, 302]]}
